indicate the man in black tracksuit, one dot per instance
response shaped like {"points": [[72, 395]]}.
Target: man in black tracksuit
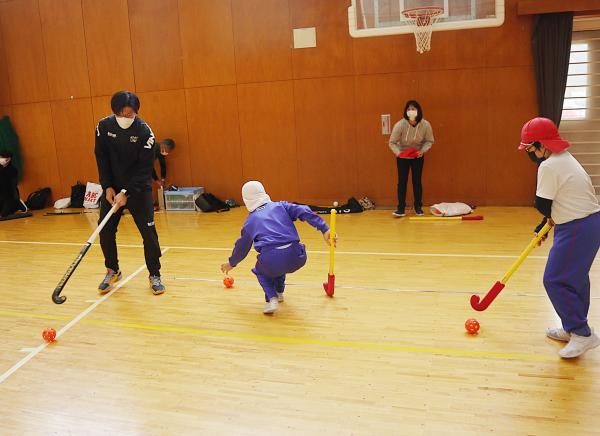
{"points": [[125, 157]]}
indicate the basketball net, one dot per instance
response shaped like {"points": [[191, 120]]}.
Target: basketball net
{"points": [[421, 21]]}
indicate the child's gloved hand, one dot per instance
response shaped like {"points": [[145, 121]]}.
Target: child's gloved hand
{"points": [[226, 267], [326, 236], [539, 228]]}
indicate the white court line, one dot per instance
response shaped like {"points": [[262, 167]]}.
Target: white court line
{"points": [[352, 253], [35, 351], [542, 294], [62, 243]]}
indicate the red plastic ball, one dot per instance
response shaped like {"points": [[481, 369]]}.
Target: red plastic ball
{"points": [[472, 326], [49, 335], [228, 282]]}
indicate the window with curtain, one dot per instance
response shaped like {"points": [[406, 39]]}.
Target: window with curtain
{"points": [[580, 122]]}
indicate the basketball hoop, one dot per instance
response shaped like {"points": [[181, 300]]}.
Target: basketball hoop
{"points": [[421, 21]]}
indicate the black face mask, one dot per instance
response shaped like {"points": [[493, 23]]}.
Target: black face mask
{"points": [[534, 158]]}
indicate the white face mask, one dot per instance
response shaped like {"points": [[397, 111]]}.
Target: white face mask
{"points": [[4, 161], [412, 114], [124, 122]]}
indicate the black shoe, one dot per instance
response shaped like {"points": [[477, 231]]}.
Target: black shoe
{"points": [[399, 213], [419, 211]]}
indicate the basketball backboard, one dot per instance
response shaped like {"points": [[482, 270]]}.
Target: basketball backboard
{"points": [[367, 18]]}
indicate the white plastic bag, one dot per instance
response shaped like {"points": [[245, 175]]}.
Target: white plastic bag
{"points": [[450, 209], [62, 203], [93, 192]]}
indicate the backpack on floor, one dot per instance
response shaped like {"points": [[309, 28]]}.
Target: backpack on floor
{"points": [[38, 199], [77, 194], [207, 202]]}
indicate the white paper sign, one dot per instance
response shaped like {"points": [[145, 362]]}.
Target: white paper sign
{"points": [[305, 37], [385, 124]]}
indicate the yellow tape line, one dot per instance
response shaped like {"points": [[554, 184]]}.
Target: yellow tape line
{"points": [[454, 352]]}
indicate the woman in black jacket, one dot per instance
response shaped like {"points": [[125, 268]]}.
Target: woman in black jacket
{"points": [[10, 201]]}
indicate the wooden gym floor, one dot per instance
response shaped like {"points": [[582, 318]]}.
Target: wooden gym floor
{"points": [[387, 355]]}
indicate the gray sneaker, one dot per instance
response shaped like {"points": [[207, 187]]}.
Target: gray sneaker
{"points": [[558, 334], [156, 285], [579, 345], [271, 306], [110, 279]]}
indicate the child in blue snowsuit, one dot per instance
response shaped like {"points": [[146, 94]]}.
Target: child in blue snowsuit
{"points": [[271, 229], [565, 196]]}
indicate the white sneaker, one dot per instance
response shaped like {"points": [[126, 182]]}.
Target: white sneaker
{"points": [[579, 345], [558, 334], [271, 306], [280, 297]]}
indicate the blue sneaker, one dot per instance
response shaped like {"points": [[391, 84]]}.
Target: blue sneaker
{"points": [[156, 285], [110, 279]]}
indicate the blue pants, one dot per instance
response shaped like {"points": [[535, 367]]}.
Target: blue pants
{"points": [[273, 264], [566, 278]]}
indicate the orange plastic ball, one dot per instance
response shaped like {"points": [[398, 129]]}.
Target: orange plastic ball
{"points": [[228, 282], [472, 326], [49, 335]]}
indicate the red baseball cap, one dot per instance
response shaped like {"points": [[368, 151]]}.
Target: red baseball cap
{"points": [[545, 131]]}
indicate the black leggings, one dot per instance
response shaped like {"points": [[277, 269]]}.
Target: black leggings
{"points": [[141, 208], [404, 165]]}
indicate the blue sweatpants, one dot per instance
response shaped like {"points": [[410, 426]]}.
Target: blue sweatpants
{"points": [[566, 277], [273, 264]]}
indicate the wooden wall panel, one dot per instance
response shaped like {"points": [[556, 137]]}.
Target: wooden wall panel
{"points": [[74, 138], [207, 42], [33, 123], [333, 55], [263, 40], [155, 40], [326, 138], [268, 137], [552, 6], [22, 34], [100, 108], [384, 54], [510, 44], [448, 51], [108, 44], [165, 113], [6, 111], [215, 151], [221, 78], [457, 162], [64, 43], [4, 76], [510, 177], [376, 165]]}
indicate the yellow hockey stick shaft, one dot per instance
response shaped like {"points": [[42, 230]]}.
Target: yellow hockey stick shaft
{"points": [[526, 252], [332, 239]]}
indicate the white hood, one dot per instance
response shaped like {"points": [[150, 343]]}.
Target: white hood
{"points": [[254, 195]]}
